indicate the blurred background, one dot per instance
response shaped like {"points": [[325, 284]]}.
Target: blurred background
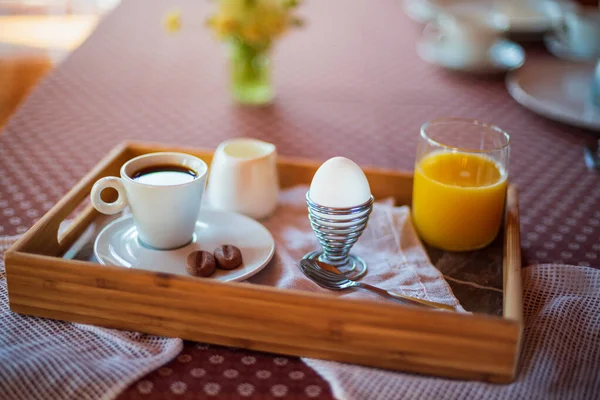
{"points": [[35, 36]]}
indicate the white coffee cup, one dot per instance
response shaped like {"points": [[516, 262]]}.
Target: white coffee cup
{"points": [[164, 206], [463, 36], [243, 178], [580, 31]]}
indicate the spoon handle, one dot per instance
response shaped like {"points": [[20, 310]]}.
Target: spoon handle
{"points": [[387, 293]]}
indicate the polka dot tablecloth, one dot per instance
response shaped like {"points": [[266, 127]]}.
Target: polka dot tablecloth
{"points": [[349, 84], [210, 371]]}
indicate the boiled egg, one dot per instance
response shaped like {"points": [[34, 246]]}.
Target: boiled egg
{"points": [[339, 183]]}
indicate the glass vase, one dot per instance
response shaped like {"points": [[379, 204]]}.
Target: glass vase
{"points": [[250, 74]]}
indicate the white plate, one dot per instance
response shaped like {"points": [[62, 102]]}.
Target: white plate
{"points": [[118, 244], [557, 89], [501, 57]]}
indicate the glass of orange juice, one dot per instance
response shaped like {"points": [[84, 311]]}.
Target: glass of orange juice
{"points": [[460, 183]]}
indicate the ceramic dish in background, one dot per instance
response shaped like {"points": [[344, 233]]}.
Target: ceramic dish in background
{"points": [[118, 244], [557, 89], [557, 47], [518, 22], [529, 19], [577, 37], [421, 11], [503, 56], [425, 11]]}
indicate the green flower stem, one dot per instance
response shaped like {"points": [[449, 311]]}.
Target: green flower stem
{"points": [[250, 73]]}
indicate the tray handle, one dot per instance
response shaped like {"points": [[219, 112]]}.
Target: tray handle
{"points": [[44, 238]]}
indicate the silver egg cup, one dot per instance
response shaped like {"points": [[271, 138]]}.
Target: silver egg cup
{"points": [[337, 229]]}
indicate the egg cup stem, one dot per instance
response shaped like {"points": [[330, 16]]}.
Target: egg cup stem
{"points": [[354, 269], [337, 229]]}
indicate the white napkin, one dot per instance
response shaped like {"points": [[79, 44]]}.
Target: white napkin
{"points": [[46, 359], [395, 257]]}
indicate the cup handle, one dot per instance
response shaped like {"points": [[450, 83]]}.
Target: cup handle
{"points": [[102, 206]]}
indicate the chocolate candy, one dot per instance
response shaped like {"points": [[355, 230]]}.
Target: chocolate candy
{"points": [[200, 263], [228, 257]]}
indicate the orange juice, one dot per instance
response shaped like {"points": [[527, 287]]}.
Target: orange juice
{"points": [[458, 200]]}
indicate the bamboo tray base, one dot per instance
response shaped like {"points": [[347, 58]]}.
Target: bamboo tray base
{"points": [[42, 282]]}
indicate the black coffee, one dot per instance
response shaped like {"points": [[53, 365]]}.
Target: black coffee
{"points": [[164, 175]]}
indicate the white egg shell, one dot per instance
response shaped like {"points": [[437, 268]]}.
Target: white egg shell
{"points": [[339, 183]]}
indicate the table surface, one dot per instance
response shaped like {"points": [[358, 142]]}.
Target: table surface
{"points": [[349, 84]]}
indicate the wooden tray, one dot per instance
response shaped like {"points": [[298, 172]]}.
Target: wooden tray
{"points": [[392, 336]]}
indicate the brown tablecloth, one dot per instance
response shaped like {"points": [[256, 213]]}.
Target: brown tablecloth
{"points": [[349, 84]]}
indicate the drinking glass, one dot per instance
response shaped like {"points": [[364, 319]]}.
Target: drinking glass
{"points": [[460, 183]]}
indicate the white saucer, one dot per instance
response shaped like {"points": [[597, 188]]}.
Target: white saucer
{"points": [[503, 56], [557, 89], [559, 49], [118, 244]]}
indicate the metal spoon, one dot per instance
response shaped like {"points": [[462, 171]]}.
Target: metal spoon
{"points": [[333, 281]]}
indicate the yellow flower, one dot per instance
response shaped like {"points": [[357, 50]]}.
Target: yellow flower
{"points": [[255, 21], [172, 21], [225, 26], [251, 33]]}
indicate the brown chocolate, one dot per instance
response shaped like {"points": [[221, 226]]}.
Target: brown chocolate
{"points": [[228, 257], [200, 263]]}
